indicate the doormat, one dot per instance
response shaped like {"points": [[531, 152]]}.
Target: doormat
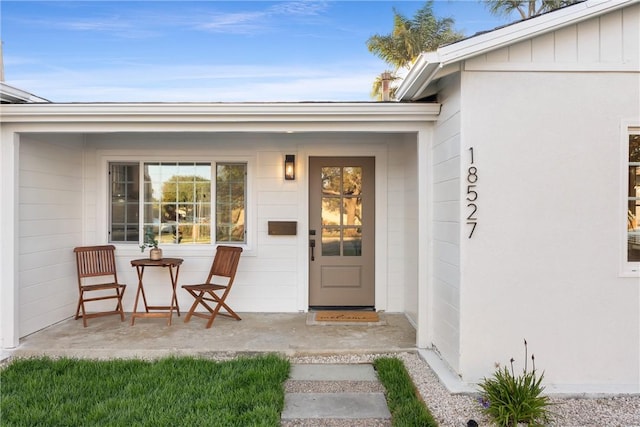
{"points": [[331, 317]]}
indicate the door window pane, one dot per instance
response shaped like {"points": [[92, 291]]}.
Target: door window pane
{"points": [[341, 211], [330, 241], [352, 181], [352, 242], [331, 181], [352, 211]]}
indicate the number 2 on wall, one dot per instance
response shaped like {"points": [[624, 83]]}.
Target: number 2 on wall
{"points": [[472, 194]]}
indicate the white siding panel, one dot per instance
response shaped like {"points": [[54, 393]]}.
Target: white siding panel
{"points": [[498, 55], [447, 191], [606, 43], [611, 41], [50, 206], [520, 52], [446, 219], [542, 48], [447, 170], [566, 49], [630, 31], [589, 41], [403, 258]]}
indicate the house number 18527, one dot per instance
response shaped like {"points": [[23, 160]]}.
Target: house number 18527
{"points": [[472, 195]]}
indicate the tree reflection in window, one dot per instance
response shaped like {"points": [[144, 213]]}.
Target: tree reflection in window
{"points": [[341, 211], [231, 202], [177, 202], [633, 211]]}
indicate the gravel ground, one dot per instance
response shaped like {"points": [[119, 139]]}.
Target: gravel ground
{"points": [[456, 410]]}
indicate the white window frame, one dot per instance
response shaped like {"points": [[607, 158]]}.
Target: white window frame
{"points": [[627, 268], [103, 202]]}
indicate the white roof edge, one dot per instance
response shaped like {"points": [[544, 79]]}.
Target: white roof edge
{"points": [[12, 94], [422, 71], [217, 112]]}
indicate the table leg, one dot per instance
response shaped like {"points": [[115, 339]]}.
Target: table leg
{"points": [[174, 283], [140, 271], [174, 297]]}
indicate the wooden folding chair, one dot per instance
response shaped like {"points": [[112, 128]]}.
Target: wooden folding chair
{"points": [[97, 272], [225, 264]]}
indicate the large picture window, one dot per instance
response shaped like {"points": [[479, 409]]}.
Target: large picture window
{"points": [[633, 200], [173, 201]]}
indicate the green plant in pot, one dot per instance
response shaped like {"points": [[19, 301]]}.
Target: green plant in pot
{"points": [[150, 241]]}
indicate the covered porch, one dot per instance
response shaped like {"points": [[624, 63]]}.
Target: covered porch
{"points": [[56, 160]]}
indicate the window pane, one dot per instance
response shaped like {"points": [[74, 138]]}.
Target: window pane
{"points": [[230, 202], [634, 148], [341, 211], [352, 211], [124, 207], [633, 215], [330, 241], [176, 196], [352, 181], [331, 180], [633, 194], [331, 211], [352, 242]]}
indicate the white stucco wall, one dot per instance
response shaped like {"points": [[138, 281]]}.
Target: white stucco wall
{"points": [[546, 118], [544, 262]]}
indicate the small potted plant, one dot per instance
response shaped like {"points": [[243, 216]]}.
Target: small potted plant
{"points": [[150, 241]]}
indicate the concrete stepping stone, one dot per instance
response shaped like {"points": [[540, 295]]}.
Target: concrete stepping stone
{"points": [[335, 405], [342, 402]]}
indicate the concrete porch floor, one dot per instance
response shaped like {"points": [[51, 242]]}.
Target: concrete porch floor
{"points": [[284, 333]]}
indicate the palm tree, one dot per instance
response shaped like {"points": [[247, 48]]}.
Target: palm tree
{"points": [[409, 38], [526, 8]]}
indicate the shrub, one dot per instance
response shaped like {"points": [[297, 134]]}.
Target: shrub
{"points": [[509, 399]]}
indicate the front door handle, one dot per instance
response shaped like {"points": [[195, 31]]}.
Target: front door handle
{"points": [[312, 245]]}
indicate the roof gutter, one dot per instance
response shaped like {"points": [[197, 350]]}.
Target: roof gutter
{"points": [[13, 95], [419, 76]]}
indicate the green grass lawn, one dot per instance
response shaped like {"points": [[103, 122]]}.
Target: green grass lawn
{"points": [[166, 392], [406, 407], [171, 392]]}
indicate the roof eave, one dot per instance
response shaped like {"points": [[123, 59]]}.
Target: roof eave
{"points": [[13, 95]]}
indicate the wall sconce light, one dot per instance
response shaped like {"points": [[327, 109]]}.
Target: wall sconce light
{"points": [[289, 167]]}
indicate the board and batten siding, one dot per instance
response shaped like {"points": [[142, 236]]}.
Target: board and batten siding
{"points": [[50, 225], [447, 224], [609, 42]]}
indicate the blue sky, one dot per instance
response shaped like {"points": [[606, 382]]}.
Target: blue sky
{"points": [[205, 51]]}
